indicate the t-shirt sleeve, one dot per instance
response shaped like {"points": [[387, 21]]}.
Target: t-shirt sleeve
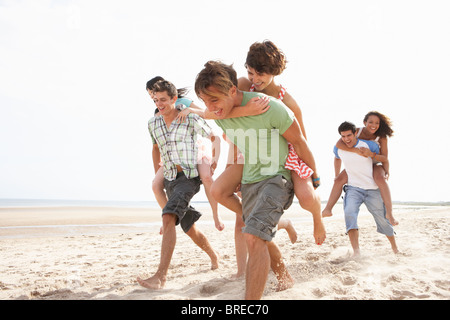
{"points": [[280, 116], [183, 101], [373, 146], [335, 151]]}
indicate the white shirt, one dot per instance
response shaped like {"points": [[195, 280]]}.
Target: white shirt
{"points": [[359, 169]]}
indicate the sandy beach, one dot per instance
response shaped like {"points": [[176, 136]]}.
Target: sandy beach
{"points": [[76, 253]]}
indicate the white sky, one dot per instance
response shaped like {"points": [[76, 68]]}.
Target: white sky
{"points": [[74, 110]]}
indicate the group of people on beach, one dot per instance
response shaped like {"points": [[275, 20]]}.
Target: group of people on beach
{"points": [[269, 161]]}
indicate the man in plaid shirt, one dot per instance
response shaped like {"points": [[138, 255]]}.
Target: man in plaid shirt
{"points": [[176, 143]]}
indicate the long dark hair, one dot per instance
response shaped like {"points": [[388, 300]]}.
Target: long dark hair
{"points": [[150, 83], [385, 129]]}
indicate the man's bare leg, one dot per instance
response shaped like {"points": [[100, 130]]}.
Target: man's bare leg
{"points": [[223, 191], [240, 246], [393, 244], [285, 280], [158, 280], [202, 242], [353, 235], [257, 267]]}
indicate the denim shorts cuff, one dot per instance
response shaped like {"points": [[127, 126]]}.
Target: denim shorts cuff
{"points": [[346, 233]]}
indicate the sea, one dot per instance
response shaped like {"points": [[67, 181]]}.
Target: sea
{"points": [[71, 229], [8, 232]]}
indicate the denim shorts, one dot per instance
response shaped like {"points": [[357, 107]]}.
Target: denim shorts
{"points": [[354, 198], [180, 192], [263, 204]]}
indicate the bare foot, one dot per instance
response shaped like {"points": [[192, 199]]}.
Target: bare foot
{"points": [[319, 232], [327, 213], [291, 232], [152, 282], [356, 254], [236, 276], [215, 259], [285, 283]]}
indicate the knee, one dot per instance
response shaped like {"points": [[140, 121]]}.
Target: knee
{"points": [[341, 179], [169, 220], [216, 191], [239, 223], [207, 179], [157, 185], [254, 243], [379, 178], [308, 199]]}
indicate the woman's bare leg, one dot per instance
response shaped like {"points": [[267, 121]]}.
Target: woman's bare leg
{"points": [[158, 188], [380, 180], [336, 191], [310, 201], [204, 170]]}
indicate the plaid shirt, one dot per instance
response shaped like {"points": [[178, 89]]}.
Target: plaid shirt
{"points": [[178, 144]]}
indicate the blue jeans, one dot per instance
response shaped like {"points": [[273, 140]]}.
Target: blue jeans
{"points": [[353, 199]]}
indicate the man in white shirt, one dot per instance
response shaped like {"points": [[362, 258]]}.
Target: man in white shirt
{"points": [[361, 188]]}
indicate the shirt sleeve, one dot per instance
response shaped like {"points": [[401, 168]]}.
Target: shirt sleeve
{"points": [[281, 117], [335, 151], [183, 101], [200, 125], [373, 146], [150, 130]]}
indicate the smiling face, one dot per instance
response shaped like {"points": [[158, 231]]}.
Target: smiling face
{"points": [[349, 138], [372, 124], [217, 102], [259, 80], [164, 102]]}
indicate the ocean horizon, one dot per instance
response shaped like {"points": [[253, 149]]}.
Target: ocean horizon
{"points": [[18, 203]]}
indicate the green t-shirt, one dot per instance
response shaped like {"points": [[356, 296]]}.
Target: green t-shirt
{"points": [[260, 139]]}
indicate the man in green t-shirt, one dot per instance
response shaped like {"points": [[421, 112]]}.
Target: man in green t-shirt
{"points": [[267, 189]]}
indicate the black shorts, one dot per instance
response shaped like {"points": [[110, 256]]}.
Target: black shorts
{"points": [[180, 192]]}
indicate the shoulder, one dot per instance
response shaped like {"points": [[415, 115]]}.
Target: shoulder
{"points": [[336, 152], [244, 84], [278, 107], [291, 103], [372, 145], [196, 119], [152, 120], [184, 101]]}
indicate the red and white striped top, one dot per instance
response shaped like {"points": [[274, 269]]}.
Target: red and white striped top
{"points": [[293, 162], [280, 95]]}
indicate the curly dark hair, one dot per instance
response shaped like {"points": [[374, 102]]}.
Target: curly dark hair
{"points": [[385, 129], [265, 57]]}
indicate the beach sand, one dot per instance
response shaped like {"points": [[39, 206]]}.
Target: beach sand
{"points": [[97, 253]]}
